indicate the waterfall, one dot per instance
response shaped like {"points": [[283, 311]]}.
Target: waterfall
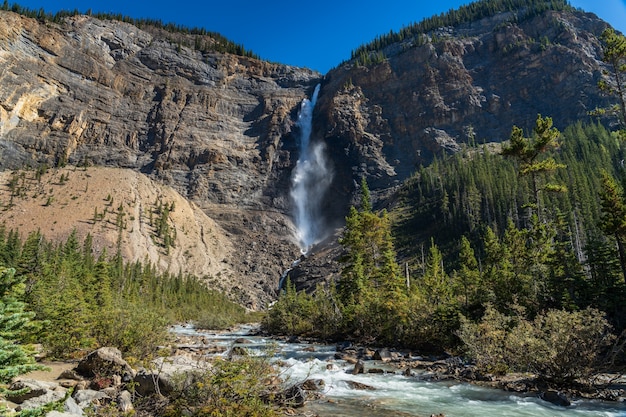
{"points": [[310, 179]]}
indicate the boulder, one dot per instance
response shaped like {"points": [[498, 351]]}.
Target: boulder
{"points": [[555, 397], [104, 362], [146, 382], [36, 402], [62, 414], [70, 374], [382, 355], [71, 406], [313, 384], [29, 388], [85, 398], [294, 396], [125, 402], [165, 370], [359, 368], [359, 385], [238, 351]]}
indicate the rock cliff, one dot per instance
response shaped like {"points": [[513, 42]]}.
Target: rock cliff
{"points": [[219, 130], [469, 83]]}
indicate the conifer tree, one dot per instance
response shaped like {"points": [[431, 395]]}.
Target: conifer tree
{"points": [[613, 222], [527, 152], [467, 277], [15, 324], [614, 54]]}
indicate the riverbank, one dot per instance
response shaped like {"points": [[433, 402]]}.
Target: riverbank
{"points": [[348, 381]]}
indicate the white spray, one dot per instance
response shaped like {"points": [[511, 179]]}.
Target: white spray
{"points": [[310, 180]]}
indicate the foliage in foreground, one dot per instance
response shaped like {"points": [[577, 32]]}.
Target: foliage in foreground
{"points": [[230, 387], [557, 345], [15, 357], [105, 301]]}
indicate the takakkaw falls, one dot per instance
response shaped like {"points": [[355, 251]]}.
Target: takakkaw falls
{"points": [[310, 179]]}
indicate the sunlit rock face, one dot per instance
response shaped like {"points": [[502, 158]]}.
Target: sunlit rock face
{"points": [[472, 83]]}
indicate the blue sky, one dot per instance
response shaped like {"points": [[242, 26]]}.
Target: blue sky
{"points": [[314, 34]]}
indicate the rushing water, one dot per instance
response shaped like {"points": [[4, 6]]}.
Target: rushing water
{"points": [[310, 179], [395, 394]]}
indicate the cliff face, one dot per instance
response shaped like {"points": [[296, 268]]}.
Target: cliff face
{"points": [[215, 127], [219, 129], [472, 82]]}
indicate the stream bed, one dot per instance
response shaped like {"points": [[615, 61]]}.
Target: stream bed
{"points": [[391, 393]]}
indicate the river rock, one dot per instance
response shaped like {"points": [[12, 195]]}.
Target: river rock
{"points": [[294, 396], [104, 362], [555, 397], [359, 368], [359, 386], [382, 355], [238, 351], [313, 384]]}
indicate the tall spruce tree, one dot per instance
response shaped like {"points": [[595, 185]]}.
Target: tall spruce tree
{"points": [[613, 222], [15, 325]]}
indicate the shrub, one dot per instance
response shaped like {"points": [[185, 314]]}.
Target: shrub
{"points": [[558, 346], [228, 388]]}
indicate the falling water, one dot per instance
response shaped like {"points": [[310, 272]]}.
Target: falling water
{"points": [[310, 179]]}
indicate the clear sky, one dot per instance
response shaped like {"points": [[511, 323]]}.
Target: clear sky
{"points": [[315, 34]]}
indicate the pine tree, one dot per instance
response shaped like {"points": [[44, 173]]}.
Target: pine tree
{"points": [[527, 152], [613, 222], [614, 54], [467, 277], [15, 324]]}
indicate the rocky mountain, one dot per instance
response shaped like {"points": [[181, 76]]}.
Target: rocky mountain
{"points": [[219, 130]]}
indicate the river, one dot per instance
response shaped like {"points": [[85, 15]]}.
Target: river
{"points": [[393, 394]]}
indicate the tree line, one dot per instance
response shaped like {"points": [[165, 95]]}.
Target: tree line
{"points": [[196, 38], [87, 301], [522, 9]]}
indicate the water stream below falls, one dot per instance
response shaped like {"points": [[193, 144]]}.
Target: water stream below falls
{"points": [[394, 394]]}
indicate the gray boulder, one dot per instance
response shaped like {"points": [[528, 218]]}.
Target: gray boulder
{"points": [[125, 402], [87, 397], [555, 397], [105, 362], [29, 388], [36, 402], [62, 414]]}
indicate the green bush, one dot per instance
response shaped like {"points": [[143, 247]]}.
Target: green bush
{"points": [[558, 345], [238, 387]]}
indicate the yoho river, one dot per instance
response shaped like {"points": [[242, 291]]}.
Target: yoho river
{"points": [[393, 394]]}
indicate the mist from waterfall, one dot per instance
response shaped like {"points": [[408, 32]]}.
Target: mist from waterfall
{"points": [[310, 179]]}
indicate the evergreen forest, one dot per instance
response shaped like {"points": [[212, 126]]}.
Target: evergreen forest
{"points": [[80, 302]]}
